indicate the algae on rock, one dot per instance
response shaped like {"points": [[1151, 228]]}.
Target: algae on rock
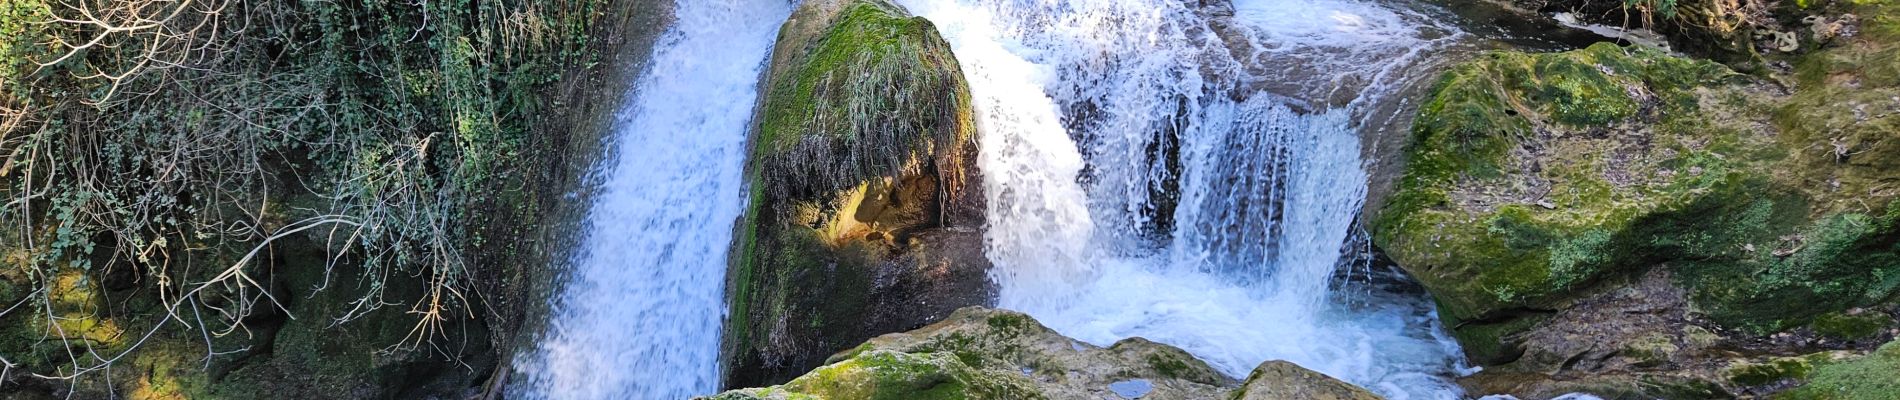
{"points": [[862, 219]]}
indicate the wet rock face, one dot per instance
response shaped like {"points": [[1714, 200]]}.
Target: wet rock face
{"points": [[866, 206], [1624, 221], [980, 353]]}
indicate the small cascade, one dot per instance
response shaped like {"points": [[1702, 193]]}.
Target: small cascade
{"points": [[1175, 173], [639, 316]]}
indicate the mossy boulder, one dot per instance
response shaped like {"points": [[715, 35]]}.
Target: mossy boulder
{"points": [[1540, 186], [865, 209], [980, 353]]}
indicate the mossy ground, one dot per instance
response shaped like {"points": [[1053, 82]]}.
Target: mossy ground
{"points": [[1876, 376], [1534, 177]]}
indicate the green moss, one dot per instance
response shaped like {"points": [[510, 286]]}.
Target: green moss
{"points": [[1771, 372], [1009, 322], [1842, 326], [1836, 262], [876, 90], [890, 375], [1168, 365], [1873, 377]]}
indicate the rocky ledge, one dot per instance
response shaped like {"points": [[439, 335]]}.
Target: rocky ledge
{"points": [[980, 353]]}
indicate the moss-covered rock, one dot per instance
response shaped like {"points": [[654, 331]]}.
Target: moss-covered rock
{"points": [[884, 374], [1517, 189], [863, 214], [1541, 184], [980, 353]]}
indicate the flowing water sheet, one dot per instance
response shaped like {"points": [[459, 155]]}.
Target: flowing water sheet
{"points": [[640, 315]]}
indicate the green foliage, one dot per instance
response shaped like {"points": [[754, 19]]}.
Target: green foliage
{"points": [[1868, 378], [385, 131]]}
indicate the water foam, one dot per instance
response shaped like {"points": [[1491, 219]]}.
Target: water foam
{"points": [[640, 314], [1269, 183]]}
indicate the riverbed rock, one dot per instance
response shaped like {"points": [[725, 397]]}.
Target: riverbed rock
{"points": [[980, 353], [1626, 221], [866, 206]]}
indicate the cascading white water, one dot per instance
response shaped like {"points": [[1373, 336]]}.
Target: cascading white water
{"points": [[1022, 138], [640, 314], [1236, 269]]}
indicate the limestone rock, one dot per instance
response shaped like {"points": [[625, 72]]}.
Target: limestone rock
{"points": [[980, 353]]}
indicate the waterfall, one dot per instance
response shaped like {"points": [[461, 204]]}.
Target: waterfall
{"points": [[639, 316], [1163, 171]]}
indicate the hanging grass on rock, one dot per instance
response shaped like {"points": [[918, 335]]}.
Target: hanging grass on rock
{"points": [[181, 160]]}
